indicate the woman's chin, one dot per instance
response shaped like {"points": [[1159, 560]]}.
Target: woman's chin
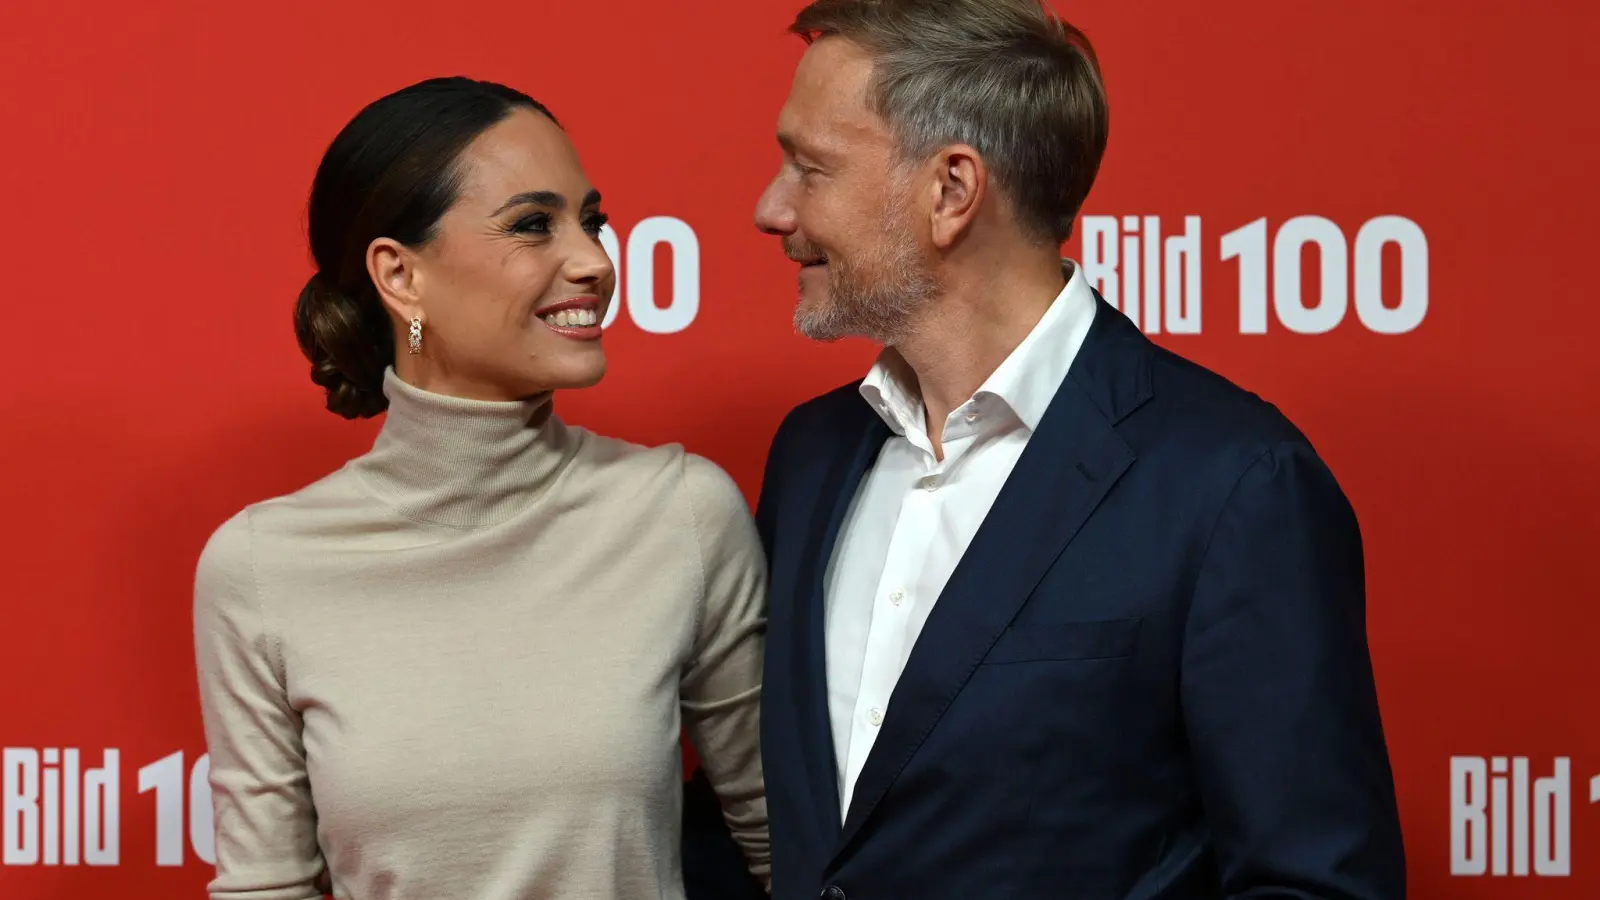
{"points": [[575, 375]]}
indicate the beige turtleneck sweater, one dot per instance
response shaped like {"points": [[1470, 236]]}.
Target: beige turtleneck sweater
{"points": [[456, 668]]}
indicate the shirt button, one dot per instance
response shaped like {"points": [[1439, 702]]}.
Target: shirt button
{"points": [[833, 893], [876, 717], [930, 483], [897, 597]]}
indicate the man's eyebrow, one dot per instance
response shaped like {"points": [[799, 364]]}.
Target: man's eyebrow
{"points": [[794, 147]]}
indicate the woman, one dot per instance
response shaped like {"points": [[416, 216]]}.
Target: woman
{"points": [[454, 668]]}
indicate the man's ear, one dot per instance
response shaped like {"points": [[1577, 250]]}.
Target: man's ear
{"points": [[961, 182]]}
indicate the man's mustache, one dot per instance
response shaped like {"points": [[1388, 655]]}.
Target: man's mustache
{"points": [[801, 251]]}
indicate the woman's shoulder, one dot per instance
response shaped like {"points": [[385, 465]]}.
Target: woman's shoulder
{"points": [[227, 554], [629, 467], [699, 474], [231, 544]]}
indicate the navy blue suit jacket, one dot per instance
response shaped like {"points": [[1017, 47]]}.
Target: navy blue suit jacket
{"points": [[1148, 676]]}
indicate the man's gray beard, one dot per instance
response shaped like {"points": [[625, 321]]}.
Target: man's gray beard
{"points": [[878, 301]]}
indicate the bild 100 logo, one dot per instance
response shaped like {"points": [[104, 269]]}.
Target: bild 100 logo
{"points": [[62, 807], [1378, 271]]}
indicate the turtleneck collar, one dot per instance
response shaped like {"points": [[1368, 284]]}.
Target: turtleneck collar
{"points": [[462, 463]]}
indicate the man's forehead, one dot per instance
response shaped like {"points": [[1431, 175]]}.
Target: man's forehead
{"points": [[828, 101], [833, 70]]}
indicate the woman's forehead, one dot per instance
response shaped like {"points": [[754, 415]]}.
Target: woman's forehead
{"points": [[524, 153]]}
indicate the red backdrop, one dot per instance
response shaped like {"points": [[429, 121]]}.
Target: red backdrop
{"points": [[1386, 201]]}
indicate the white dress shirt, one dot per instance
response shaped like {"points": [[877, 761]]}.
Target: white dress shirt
{"points": [[914, 515]]}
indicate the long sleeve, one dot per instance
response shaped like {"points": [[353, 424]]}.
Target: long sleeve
{"points": [[1279, 697], [266, 839], [722, 685]]}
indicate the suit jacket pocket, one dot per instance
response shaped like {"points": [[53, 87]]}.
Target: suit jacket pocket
{"points": [[1046, 641]]}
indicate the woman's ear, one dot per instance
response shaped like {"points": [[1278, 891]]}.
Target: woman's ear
{"points": [[394, 271]]}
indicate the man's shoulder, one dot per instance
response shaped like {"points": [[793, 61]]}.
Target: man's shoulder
{"points": [[1206, 422], [1160, 400], [809, 435], [827, 416]]}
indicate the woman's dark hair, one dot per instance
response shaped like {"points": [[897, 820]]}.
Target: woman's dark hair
{"points": [[391, 172]]}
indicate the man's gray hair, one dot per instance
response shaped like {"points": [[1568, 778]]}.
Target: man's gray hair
{"points": [[1007, 77]]}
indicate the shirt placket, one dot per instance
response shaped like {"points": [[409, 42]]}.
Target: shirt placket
{"points": [[893, 604]]}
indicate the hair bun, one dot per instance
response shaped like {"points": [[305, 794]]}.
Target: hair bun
{"points": [[348, 354]]}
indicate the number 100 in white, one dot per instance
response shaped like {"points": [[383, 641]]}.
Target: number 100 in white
{"points": [[1249, 246], [635, 264], [166, 777]]}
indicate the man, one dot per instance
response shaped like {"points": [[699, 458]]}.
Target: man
{"points": [[1055, 613]]}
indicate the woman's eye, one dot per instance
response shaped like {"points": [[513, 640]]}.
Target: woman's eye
{"points": [[536, 224]]}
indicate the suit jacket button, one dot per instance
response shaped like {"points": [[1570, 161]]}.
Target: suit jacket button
{"points": [[833, 893]]}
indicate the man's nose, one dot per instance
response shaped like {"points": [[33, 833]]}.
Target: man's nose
{"points": [[774, 212]]}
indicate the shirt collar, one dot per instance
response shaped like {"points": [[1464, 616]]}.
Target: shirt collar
{"points": [[890, 389], [1025, 381]]}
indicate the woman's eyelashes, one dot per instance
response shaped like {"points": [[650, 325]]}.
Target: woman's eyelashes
{"points": [[539, 224]]}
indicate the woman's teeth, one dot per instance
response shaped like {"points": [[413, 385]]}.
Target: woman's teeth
{"points": [[572, 318]]}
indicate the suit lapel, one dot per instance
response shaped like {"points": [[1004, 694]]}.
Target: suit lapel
{"points": [[1069, 465], [845, 471]]}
